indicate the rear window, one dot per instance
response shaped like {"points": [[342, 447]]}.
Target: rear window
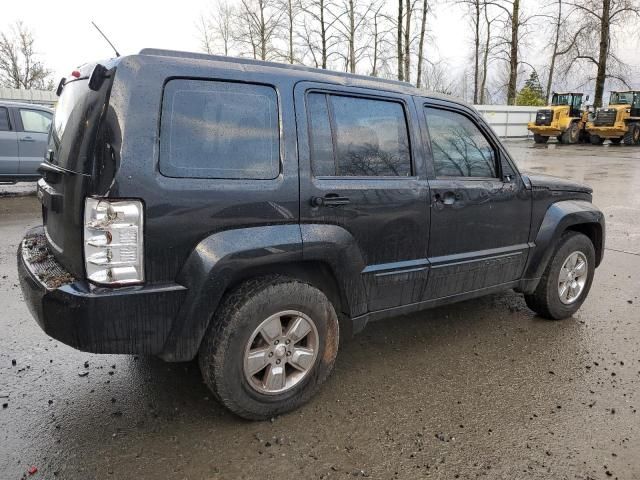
{"points": [[213, 129]]}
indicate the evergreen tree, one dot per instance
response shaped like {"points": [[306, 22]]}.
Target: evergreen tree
{"points": [[531, 93]]}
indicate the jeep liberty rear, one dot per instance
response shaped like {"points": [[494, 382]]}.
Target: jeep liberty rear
{"points": [[250, 214]]}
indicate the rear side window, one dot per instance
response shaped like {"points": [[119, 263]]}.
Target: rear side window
{"points": [[459, 148], [4, 120], [212, 129], [35, 121], [353, 136]]}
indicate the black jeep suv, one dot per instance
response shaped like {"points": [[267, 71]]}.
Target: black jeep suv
{"points": [[250, 214]]}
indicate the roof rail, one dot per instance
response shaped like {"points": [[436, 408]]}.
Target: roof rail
{"points": [[251, 61]]}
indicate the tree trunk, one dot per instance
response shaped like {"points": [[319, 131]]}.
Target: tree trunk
{"points": [[513, 55], [400, 50], [374, 66], [407, 42], [477, 53], [352, 38], [425, 7], [605, 23], [485, 58], [290, 7], [552, 64], [323, 35]]}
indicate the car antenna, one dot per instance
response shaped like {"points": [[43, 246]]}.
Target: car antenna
{"points": [[105, 37]]}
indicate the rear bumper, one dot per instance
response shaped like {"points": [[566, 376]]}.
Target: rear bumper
{"points": [[99, 320]]}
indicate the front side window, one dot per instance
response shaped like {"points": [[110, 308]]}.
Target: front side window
{"points": [[353, 136], [212, 129], [458, 146], [35, 121], [4, 120]]}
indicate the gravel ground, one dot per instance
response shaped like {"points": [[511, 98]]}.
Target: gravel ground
{"points": [[480, 389]]}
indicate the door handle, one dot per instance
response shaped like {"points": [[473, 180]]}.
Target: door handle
{"points": [[329, 200], [27, 139], [447, 198]]}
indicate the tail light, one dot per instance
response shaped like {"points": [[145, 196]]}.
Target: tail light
{"points": [[113, 241]]}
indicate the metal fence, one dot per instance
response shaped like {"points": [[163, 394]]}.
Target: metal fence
{"points": [[508, 121]]}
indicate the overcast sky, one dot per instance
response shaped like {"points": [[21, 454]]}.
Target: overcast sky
{"points": [[66, 39]]}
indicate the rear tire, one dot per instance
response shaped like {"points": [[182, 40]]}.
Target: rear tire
{"points": [[546, 300], [540, 138], [571, 134], [615, 141], [235, 345], [596, 140], [632, 137]]}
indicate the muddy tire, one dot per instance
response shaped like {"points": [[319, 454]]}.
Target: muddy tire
{"points": [[596, 140], [565, 285], [540, 138], [571, 135], [615, 141], [632, 137], [269, 347]]}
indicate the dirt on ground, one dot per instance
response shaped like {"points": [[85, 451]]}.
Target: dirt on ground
{"points": [[480, 389]]}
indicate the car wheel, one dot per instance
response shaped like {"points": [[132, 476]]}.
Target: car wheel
{"points": [[269, 347], [571, 135], [540, 138], [632, 137], [566, 282], [596, 140]]}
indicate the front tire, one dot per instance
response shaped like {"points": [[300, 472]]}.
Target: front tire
{"points": [[571, 134], [540, 138], [632, 137], [567, 280], [269, 347]]}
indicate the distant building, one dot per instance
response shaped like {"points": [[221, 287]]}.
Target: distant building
{"points": [[40, 97]]}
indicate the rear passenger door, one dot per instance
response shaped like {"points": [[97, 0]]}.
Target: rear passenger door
{"points": [[32, 138], [480, 208], [361, 169], [9, 158]]}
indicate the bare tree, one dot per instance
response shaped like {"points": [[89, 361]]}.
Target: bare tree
{"points": [[486, 52], [599, 21], [19, 65], [423, 24], [399, 40], [291, 8], [349, 21], [318, 34], [216, 29], [259, 21]]}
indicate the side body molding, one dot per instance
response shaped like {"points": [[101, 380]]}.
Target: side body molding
{"points": [[559, 217], [214, 264]]}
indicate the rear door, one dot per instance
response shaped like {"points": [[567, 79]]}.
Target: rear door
{"points": [[361, 169], [32, 138], [9, 158], [480, 208]]}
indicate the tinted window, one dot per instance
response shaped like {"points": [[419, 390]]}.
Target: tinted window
{"points": [[219, 130], [35, 121], [4, 119], [321, 143], [459, 147], [371, 136]]}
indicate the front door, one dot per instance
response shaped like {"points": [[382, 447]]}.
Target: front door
{"points": [[480, 208], [360, 170]]}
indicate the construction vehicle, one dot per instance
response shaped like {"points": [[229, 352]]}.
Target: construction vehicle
{"points": [[619, 122], [564, 119]]}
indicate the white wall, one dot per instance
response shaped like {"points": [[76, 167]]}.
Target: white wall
{"points": [[508, 121]]}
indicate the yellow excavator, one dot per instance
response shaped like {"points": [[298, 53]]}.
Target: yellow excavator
{"points": [[619, 122], [564, 119]]}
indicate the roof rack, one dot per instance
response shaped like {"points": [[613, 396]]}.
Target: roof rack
{"points": [[251, 61]]}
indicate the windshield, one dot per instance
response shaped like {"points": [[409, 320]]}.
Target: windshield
{"points": [[559, 99], [621, 98]]}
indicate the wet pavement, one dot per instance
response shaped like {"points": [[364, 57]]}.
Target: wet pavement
{"points": [[480, 389]]}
